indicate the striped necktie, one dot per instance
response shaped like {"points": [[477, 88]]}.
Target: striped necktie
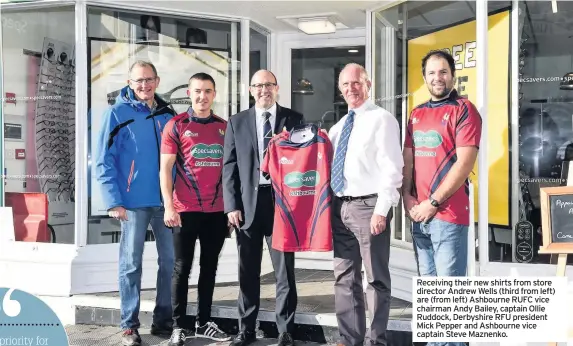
{"points": [[267, 131], [337, 176]]}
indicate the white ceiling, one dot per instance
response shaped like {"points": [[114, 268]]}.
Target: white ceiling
{"points": [[351, 13]]}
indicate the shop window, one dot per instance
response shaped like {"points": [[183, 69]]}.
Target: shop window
{"points": [[545, 142], [39, 122], [178, 47], [314, 82], [403, 35]]}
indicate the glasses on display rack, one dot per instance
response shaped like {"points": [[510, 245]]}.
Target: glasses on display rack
{"points": [[53, 145], [52, 115], [54, 131], [67, 175], [54, 161], [58, 139], [64, 194], [59, 184], [56, 169], [55, 123], [55, 152]]}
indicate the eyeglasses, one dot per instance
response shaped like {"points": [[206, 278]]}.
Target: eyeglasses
{"points": [[146, 80], [261, 85]]}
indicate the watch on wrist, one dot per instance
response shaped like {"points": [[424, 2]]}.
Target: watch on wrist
{"points": [[433, 202]]}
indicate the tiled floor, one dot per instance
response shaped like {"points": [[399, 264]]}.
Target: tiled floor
{"points": [[315, 290]]}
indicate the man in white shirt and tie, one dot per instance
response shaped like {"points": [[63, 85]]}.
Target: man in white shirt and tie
{"points": [[366, 178]]}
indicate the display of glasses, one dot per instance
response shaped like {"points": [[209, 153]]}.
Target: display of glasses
{"points": [[55, 123]]}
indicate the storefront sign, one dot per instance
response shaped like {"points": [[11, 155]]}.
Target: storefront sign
{"points": [[524, 241], [557, 219], [460, 41]]}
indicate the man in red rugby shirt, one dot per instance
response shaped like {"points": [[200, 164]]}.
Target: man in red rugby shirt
{"points": [[193, 142], [440, 151]]}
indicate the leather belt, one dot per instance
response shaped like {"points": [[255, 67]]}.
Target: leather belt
{"points": [[263, 186], [351, 198]]}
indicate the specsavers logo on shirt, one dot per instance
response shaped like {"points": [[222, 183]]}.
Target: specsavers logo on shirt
{"points": [[203, 151], [430, 139], [297, 180]]}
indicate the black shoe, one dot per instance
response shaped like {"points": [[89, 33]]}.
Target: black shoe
{"points": [[178, 337], [285, 339], [130, 337], [210, 331], [243, 339], [162, 330]]}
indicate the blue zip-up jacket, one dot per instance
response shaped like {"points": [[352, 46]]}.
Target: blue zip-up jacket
{"points": [[129, 142]]}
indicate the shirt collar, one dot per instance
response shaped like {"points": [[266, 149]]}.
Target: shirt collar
{"points": [[153, 106], [362, 109], [272, 110]]}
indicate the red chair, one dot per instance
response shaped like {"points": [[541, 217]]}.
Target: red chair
{"points": [[30, 216]]}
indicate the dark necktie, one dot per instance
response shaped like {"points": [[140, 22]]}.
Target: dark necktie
{"points": [[267, 131], [337, 177]]}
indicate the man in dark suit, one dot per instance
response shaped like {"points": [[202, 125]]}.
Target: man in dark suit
{"points": [[250, 207]]}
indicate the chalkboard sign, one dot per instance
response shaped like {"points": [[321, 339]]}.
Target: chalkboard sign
{"points": [[557, 219]]}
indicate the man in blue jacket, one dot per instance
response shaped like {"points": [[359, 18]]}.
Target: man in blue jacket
{"points": [[127, 168]]}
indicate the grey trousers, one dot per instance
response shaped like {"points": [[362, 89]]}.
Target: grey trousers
{"points": [[353, 244]]}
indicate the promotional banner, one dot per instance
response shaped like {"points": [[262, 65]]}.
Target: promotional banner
{"points": [[110, 62], [460, 41]]}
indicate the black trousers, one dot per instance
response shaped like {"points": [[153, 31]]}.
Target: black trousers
{"points": [[250, 246], [211, 229]]}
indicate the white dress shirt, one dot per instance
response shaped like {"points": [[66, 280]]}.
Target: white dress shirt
{"points": [[374, 160], [261, 136]]}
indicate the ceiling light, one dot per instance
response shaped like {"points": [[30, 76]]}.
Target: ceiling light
{"points": [[313, 26], [353, 51], [554, 6]]}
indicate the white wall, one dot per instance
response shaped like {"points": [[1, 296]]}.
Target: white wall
{"points": [[26, 30]]}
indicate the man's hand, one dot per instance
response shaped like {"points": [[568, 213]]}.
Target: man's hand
{"points": [[377, 224], [423, 212], [409, 203], [235, 218], [118, 213], [171, 218]]}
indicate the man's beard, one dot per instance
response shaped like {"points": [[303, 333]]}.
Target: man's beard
{"points": [[442, 94]]}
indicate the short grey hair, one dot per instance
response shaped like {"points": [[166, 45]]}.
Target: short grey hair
{"points": [[363, 72], [143, 63]]}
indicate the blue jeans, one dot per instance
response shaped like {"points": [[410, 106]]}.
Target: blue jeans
{"points": [[441, 249], [131, 244]]}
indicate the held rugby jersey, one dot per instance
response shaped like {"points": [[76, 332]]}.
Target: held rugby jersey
{"points": [[435, 130], [298, 164], [198, 144]]}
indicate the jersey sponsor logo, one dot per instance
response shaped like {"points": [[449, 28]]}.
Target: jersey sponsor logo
{"points": [[430, 139], [424, 153], [285, 161], [190, 134], [297, 180], [207, 163], [205, 151]]}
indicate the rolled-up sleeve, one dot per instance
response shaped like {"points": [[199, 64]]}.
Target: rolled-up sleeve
{"points": [[390, 164]]}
